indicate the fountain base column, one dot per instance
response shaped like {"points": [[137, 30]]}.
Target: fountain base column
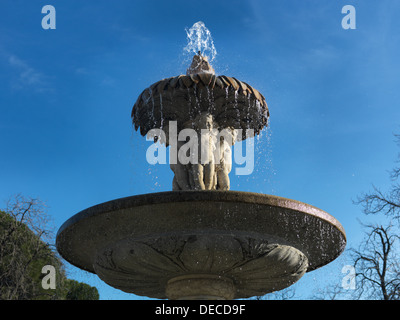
{"points": [[200, 287]]}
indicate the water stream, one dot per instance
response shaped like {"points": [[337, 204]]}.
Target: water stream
{"points": [[200, 40]]}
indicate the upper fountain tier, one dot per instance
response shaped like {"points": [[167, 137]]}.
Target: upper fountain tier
{"points": [[232, 103]]}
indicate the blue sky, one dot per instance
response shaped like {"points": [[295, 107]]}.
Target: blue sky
{"points": [[66, 97]]}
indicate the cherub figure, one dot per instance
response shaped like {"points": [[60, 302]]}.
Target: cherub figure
{"points": [[195, 167], [204, 171], [223, 162]]}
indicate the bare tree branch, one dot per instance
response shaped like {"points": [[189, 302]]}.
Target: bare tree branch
{"points": [[23, 242], [377, 264], [386, 203]]}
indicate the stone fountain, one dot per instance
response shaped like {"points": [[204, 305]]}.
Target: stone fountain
{"points": [[201, 240]]}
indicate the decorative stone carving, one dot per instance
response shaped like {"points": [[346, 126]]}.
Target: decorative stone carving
{"points": [[156, 245], [200, 65], [209, 167], [189, 244], [245, 266], [202, 101]]}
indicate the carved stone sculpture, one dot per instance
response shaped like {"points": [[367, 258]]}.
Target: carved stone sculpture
{"points": [[201, 265], [209, 105], [201, 241], [201, 244]]}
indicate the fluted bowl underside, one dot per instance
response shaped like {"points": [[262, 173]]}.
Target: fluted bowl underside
{"points": [[232, 102], [260, 243]]}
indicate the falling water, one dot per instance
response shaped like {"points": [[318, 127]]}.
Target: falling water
{"points": [[161, 113], [200, 40], [190, 108], [211, 100], [152, 105], [248, 110], [236, 105], [198, 99]]}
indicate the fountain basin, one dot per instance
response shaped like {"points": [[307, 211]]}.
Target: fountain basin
{"points": [[232, 102], [232, 244]]}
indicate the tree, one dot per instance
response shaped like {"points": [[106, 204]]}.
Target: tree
{"points": [[376, 261], [377, 265], [284, 294], [333, 291], [81, 291], [380, 202], [25, 249]]}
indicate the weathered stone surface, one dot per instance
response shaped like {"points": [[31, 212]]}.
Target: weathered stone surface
{"points": [[210, 165], [201, 244], [200, 65], [225, 266], [233, 103], [200, 287], [260, 242], [186, 100]]}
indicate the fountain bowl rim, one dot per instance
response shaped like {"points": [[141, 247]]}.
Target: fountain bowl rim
{"points": [[64, 233]]}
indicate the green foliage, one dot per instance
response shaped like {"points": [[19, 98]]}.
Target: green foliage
{"points": [[80, 291], [23, 254]]}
